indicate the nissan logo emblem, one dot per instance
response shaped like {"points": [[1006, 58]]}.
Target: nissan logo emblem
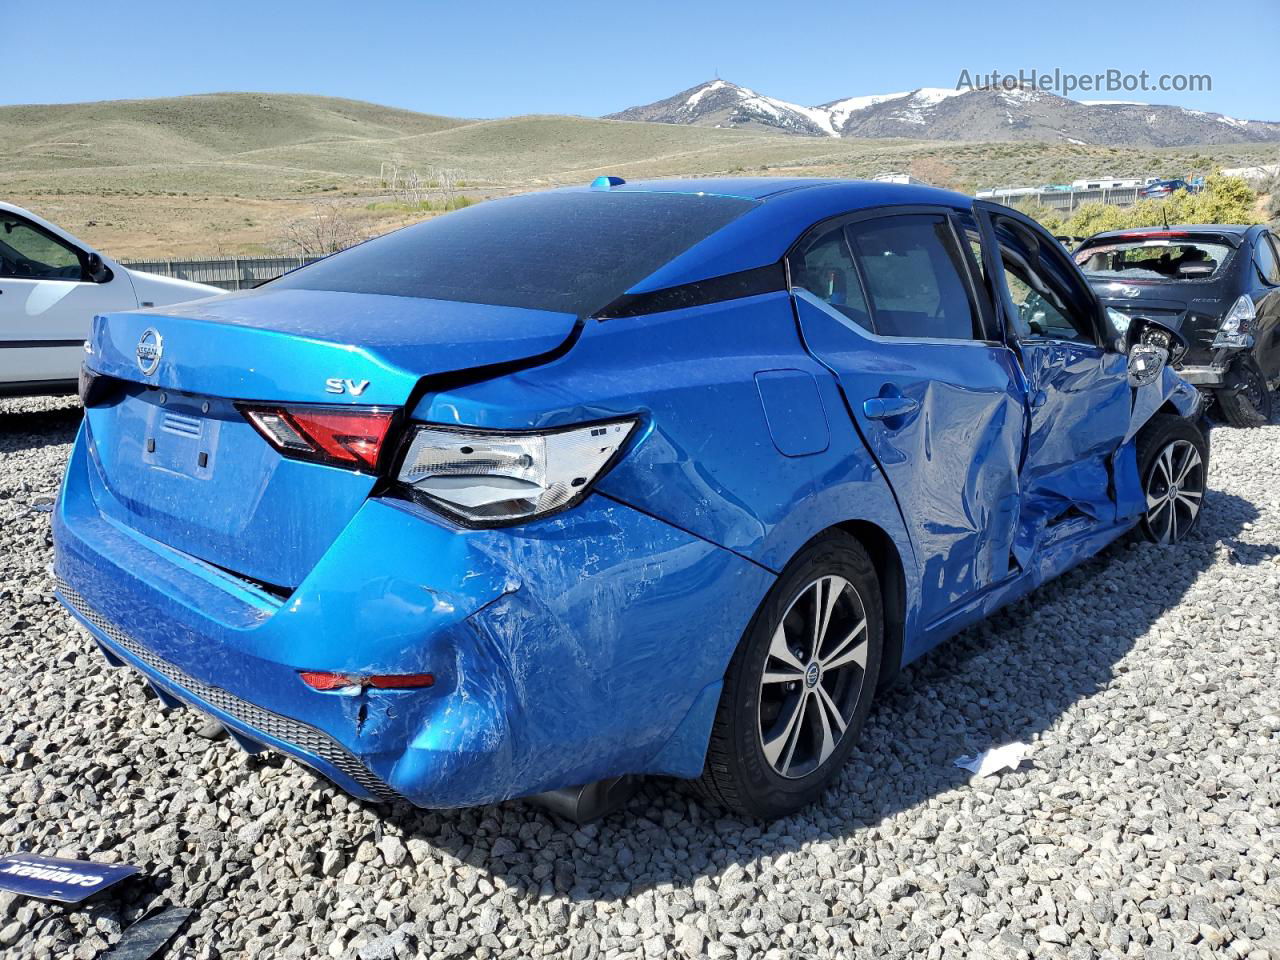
{"points": [[150, 349]]}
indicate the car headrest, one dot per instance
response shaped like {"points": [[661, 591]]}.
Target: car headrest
{"points": [[1197, 268]]}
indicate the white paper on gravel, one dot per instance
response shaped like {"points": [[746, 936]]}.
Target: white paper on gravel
{"points": [[996, 759]]}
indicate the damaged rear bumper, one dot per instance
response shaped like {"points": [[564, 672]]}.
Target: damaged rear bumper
{"points": [[584, 646], [1206, 375], [1211, 369], [249, 723]]}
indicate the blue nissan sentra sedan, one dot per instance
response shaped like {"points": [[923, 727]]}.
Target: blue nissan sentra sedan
{"points": [[635, 478]]}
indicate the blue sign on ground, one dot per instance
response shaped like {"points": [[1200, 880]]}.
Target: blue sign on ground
{"points": [[51, 878]]}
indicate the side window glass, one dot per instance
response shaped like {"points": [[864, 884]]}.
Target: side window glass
{"points": [[1267, 262], [1042, 306], [973, 239], [28, 252], [824, 267], [914, 274]]}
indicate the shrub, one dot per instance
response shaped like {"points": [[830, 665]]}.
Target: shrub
{"points": [[1052, 219], [1092, 218], [1270, 192], [1223, 200]]}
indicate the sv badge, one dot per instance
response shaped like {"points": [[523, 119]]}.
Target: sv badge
{"points": [[353, 387]]}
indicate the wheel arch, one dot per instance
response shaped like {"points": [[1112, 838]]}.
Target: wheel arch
{"points": [[1170, 408], [893, 592]]}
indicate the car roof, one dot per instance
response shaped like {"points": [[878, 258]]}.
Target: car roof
{"points": [[860, 193], [784, 208]]}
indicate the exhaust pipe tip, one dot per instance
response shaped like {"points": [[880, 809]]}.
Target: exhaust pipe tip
{"points": [[589, 801]]}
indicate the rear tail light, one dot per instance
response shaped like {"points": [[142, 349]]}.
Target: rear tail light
{"points": [[351, 685], [95, 388], [1236, 329], [85, 387], [349, 437], [494, 477]]}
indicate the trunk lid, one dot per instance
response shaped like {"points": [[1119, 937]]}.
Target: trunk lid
{"points": [[1193, 307], [174, 459]]}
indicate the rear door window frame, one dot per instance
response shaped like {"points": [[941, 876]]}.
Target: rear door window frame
{"points": [[975, 287]]}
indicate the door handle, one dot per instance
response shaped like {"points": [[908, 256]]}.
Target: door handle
{"points": [[886, 408]]}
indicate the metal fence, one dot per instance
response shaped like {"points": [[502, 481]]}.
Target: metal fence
{"points": [[234, 273], [1066, 201]]}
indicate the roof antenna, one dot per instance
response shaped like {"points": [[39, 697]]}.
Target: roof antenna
{"points": [[1164, 210]]}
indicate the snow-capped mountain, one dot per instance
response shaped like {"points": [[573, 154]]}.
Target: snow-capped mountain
{"points": [[935, 113], [723, 104]]}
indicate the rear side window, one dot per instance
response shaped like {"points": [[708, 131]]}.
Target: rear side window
{"points": [[569, 252], [824, 267], [1267, 262], [914, 275]]}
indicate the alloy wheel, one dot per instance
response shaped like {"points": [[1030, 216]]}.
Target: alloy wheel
{"points": [[1175, 491], [813, 677]]}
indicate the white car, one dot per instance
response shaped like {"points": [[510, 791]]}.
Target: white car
{"points": [[51, 286]]}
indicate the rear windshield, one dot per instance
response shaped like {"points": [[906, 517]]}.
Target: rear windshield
{"points": [[1154, 259], [571, 252]]}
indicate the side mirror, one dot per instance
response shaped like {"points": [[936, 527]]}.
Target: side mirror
{"points": [[95, 269], [1145, 364], [1151, 347], [1116, 327]]}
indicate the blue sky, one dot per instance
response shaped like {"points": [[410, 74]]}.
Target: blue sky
{"points": [[496, 59]]}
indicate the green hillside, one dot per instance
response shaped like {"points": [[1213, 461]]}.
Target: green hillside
{"points": [[220, 173], [187, 129], [258, 144]]}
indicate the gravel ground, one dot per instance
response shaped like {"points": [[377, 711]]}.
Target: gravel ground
{"points": [[1145, 823]]}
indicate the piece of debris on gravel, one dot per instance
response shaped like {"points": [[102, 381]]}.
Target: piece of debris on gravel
{"points": [[1146, 825]]}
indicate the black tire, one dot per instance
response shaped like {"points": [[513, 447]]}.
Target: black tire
{"points": [[739, 773], [1245, 400], [1173, 462]]}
